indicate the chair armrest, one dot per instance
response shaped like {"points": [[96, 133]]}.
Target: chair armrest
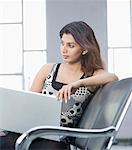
{"points": [[24, 141]]}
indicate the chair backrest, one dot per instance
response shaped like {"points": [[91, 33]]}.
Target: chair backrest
{"points": [[105, 109]]}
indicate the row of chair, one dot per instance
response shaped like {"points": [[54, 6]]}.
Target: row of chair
{"points": [[99, 124]]}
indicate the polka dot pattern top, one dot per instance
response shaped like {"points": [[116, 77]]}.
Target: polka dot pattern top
{"points": [[73, 109]]}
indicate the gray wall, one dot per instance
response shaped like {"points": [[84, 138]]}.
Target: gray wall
{"points": [[61, 12]]}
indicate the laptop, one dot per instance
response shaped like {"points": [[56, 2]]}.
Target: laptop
{"points": [[21, 110]]}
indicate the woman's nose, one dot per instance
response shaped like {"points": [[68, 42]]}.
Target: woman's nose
{"points": [[64, 49]]}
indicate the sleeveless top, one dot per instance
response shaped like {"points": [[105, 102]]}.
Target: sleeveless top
{"points": [[72, 110]]}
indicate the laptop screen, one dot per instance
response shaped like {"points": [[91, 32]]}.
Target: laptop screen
{"points": [[22, 110]]}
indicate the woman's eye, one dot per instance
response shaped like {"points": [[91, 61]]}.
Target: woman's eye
{"points": [[71, 45]]}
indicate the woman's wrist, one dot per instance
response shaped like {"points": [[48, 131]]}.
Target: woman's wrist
{"points": [[81, 82]]}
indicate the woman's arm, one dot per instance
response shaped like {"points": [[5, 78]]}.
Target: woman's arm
{"points": [[40, 78], [100, 77]]}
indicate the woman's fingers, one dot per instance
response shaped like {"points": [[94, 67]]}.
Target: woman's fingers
{"points": [[64, 93], [60, 95], [69, 92]]}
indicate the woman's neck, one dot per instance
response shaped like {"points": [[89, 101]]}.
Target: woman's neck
{"points": [[76, 67]]}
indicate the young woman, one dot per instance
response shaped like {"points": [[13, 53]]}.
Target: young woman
{"points": [[74, 81], [80, 74]]}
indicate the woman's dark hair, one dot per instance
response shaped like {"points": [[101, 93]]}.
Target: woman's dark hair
{"points": [[84, 36]]}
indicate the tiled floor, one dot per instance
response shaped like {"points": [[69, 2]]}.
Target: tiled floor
{"points": [[116, 147], [122, 144]]}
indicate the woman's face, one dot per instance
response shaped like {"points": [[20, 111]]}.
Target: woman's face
{"points": [[70, 50]]}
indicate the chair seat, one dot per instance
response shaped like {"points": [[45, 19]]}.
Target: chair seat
{"points": [[8, 142]]}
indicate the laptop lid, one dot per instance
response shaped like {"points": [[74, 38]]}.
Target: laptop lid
{"points": [[22, 110]]}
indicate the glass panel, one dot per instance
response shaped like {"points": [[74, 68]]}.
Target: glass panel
{"points": [[10, 11], [10, 48], [34, 25], [122, 60], [111, 60], [33, 61], [12, 81], [118, 23]]}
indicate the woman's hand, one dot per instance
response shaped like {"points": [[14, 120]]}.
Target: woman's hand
{"points": [[100, 77], [65, 92]]}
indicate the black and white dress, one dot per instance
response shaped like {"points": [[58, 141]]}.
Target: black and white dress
{"points": [[73, 109]]}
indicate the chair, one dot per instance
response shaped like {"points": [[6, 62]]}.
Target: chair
{"points": [[100, 121]]}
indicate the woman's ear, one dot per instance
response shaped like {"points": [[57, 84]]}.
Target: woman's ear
{"points": [[84, 52]]}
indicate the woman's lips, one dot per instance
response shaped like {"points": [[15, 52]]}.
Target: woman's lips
{"points": [[65, 56]]}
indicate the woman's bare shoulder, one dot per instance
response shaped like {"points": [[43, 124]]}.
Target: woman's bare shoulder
{"points": [[40, 78], [46, 68]]}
